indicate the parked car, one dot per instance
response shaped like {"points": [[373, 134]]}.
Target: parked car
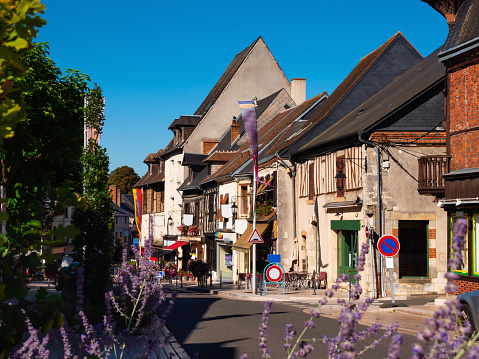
{"points": [[469, 309]]}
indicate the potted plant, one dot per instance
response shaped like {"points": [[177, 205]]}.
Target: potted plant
{"points": [[194, 230], [183, 229], [170, 270], [264, 208]]}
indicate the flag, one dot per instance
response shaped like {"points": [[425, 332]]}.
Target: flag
{"points": [[248, 111], [137, 200]]}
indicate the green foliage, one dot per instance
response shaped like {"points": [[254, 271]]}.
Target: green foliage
{"points": [[48, 144], [94, 243], [43, 111], [18, 28], [124, 178]]}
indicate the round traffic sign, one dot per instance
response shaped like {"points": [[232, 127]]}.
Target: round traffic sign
{"points": [[366, 229], [274, 273], [388, 245]]}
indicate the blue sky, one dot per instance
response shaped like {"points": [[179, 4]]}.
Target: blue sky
{"points": [[157, 60]]}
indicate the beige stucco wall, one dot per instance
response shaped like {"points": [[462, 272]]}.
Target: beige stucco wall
{"points": [[259, 76], [175, 175], [402, 201], [285, 216]]}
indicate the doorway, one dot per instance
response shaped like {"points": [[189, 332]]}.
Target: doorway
{"points": [[413, 253], [347, 252]]}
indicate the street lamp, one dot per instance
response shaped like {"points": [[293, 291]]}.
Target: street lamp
{"points": [[340, 176]]}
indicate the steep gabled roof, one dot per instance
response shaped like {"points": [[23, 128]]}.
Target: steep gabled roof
{"points": [[464, 31], [272, 131], [428, 74], [220, 156], [371, 74], [150, 177], [193, 159], [224, 79], [185, 121]]}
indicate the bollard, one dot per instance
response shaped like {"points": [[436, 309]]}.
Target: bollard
{"points": [[221, 279], [314, 282], [211, 279]]}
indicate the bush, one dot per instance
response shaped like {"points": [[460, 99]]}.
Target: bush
{"points": [[198, 268]]}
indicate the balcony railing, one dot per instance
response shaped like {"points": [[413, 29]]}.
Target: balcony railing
{"points": [[431, 169]]}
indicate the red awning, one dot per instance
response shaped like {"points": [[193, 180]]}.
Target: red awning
{"points": [[175, 245]]}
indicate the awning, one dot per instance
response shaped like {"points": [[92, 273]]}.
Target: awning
{"points": [[242, 243], [175, 245]]}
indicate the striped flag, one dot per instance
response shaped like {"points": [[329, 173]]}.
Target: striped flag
{"points": [[137, 200], [248, 111]]}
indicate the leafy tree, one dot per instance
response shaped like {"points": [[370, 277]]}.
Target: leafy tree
{"points": [[94, 243], [125, 178], [20, 20], [48, 144]]}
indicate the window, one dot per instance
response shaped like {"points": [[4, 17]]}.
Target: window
{"points": [[211, 251], [414, 253], [476, 244], [459, 229], [244, 200], [267, 190]]}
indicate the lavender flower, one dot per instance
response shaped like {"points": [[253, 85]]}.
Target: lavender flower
{"points": [[362, 257], [263, 330]]}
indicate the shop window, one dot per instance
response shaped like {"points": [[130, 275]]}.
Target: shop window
{"points": [[459, 230]]}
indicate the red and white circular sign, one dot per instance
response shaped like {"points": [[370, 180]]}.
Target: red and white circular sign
{"points": [[367, 231], [274, 273]]}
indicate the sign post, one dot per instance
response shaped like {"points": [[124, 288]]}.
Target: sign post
{"points": [[388, 246], [254, 282]]}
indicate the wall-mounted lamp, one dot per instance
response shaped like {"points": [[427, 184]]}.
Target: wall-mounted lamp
{"points": [[340, 180]]}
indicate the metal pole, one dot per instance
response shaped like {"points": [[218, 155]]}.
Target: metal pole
{"points": [[314, 282], [371, 259], [254, 227], [380, 215], [392, 286]]}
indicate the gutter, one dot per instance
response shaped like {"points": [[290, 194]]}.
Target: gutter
{"points": [[380, 219]]}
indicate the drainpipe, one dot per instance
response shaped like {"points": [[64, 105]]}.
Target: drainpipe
{"points": [[380, 219], [293, 189]]}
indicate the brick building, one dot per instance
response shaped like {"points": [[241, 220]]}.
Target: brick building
{"points": [[460, 55]]}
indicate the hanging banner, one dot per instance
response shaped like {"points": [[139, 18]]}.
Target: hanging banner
{"points": [[137, 200], [248, 112]]}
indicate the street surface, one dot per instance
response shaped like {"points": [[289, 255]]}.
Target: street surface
{"points": [[217, 327]]}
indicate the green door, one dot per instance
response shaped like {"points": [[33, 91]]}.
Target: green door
{"points": [[347, 252]]}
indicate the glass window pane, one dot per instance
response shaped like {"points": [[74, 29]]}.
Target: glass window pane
{"points": [[459, 232]]}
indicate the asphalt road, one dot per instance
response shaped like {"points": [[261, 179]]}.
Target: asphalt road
{"points": [[218, 327]]}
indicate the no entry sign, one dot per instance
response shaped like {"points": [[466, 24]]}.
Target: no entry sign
{"points": [[388, 245], [274, 273]]}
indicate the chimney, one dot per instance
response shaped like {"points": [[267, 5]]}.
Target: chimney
{"points": [[115, 194], [298, 90], [450, 19], [235, 130]]}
